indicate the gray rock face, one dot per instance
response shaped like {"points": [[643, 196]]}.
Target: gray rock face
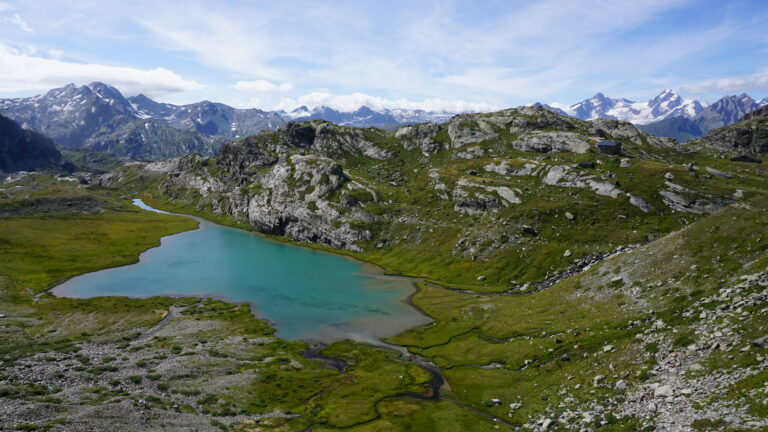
{"points": [[561, 175], [685, 200], [421, 137], [532, 118], [278, 192], [332, 140], [761, 342], [475, 203], [750, 135], [721, 174], [546, 142], [621, 129], [464, 131], [640, 203]]}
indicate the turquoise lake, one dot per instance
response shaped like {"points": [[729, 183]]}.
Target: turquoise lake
{"points": [[305, 294]]}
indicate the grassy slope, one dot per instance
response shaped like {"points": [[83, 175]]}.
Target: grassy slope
{"points": [[580, 315]]}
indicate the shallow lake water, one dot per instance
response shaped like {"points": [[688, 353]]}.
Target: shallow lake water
{"points": [[305, 294]]}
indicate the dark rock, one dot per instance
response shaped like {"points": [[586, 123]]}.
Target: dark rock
{"points": [[478, 205], [565, 357], [750, 135], [746, 158], [761, 342], [300, 135], [349, 201], [23, 150], [527, 229]]}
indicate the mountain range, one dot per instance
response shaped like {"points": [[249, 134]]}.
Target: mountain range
{"points": [[99, 118], [367, 117], [667, 115]]}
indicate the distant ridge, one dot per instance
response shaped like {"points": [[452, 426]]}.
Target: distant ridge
{"points": [[24, 150], [667, 114]]}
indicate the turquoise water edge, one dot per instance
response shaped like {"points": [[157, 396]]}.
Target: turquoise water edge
{"points": [[305, 294]]}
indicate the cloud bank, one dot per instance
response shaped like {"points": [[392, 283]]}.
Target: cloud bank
{"points": [[757, 82], [22, 70], [351, 102]]}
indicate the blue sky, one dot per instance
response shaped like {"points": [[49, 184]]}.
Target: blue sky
{"points": [[441, 55]]}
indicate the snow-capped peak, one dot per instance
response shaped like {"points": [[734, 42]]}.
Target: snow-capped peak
{"points": [[665, 104]]}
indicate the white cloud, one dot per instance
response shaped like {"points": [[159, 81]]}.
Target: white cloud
{"points": [[529, 51], [501, 53], [4, 6], [756, 82], [16, 19], [21, 71], [351, 102], [262, 86]]}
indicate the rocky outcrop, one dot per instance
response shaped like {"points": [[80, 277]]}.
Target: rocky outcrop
{"points": [[564, 176], [475, 203], [750, 135], [331, 140], [421, 137], [546, 142], [469, 130], [616, 129], [682, 199], [277, 192]]}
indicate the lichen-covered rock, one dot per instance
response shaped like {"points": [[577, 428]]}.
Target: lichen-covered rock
{"points": [[749, 135], [547, 142], [561, 175], [682, 199], [421, 137], [617, 129], [469, 130]]}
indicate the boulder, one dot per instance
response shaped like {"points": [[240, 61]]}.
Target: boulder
{"points": [[547, 142], [640, 203], [663, 391], [761, 342], [721, 174], [746, 158]]}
